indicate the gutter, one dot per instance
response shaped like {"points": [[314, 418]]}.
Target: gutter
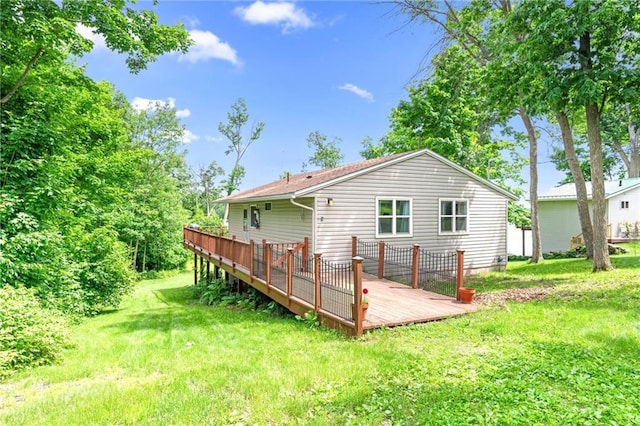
{"points": [[313, 217]]}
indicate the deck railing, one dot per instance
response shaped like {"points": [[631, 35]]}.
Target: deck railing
{"points": [[300, 281], [441, 273]]}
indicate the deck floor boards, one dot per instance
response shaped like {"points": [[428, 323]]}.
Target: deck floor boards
{"points": [[392, 303]]}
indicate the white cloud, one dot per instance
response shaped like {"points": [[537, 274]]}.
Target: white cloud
{"points": [[284, 14], [214, 139], [98, 40], [207, 45], [144, 104], [364, 94], [189, 136]]}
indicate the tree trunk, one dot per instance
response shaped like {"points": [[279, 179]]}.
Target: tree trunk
{"points": [[135, 256], [578, 179], [144, 256], [601, 260], [536, 253], [633, 170]]}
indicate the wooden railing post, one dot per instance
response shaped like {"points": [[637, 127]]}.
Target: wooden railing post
{"points": [[381, 259], [305, 249], [354, 246], [459, 272], [415, 264], [233, 253], [316, 280], [289, 273], [251, 254], [357, 294], [268, 255]]}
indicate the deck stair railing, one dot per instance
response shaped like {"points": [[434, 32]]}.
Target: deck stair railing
{"points": [[441, 273]]}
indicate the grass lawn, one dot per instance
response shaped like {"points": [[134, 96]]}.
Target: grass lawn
{"points": [[570, 358]]}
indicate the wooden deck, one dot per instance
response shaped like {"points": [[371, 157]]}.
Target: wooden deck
{"points": [[392, 304]]}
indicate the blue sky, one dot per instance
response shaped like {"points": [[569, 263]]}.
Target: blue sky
{"points": [[338, 67]]}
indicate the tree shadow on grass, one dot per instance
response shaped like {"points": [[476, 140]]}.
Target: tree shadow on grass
{"points": [[179, 310]]}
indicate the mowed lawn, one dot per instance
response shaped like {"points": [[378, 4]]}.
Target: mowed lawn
{"points": [[570, 358]]}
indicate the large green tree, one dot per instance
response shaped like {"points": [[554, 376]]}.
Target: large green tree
{"points": [[467, 25], [35, 33], [577, 56], [446, 114]]}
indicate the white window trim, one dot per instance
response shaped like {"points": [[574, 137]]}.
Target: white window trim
{"points": [[393, 221], [440, 231]]}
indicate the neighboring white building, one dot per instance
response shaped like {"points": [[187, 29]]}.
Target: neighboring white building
{"points": [[411, 198], [558, 209], [519, 242]]}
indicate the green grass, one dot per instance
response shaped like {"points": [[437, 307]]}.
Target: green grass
{"points": [[572, 358]]}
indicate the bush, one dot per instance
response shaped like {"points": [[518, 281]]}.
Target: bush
{"points": [[30, 334]]}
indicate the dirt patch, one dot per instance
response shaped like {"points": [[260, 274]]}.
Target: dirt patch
{"points": [[513, 295]]}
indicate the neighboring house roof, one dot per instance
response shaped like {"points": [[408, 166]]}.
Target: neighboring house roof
{"points": [[304, 183], [611, 188]]}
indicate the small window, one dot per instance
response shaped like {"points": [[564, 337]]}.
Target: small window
{"points": [[255, 217], [624, 204], [393, 217], [454, 216], [267, 206], [245, 221]]}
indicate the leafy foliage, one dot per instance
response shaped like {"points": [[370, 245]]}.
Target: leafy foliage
{"points": [[30, 335], [325, 154]]}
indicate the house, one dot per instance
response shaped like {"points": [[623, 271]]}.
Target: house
{"points": [[558, 211], [416, 197]]}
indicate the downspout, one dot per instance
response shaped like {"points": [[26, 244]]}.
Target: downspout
{"points": [[313, 218]]}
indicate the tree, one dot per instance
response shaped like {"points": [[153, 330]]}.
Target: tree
{"points": [[446, 114], [206, 178], [326, 154], [40, 32], [620, 128], [156, 139], [579, 56], [469, 28], [233, 130]]}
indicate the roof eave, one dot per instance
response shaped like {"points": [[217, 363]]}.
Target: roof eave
{"points": [[256, 198]]}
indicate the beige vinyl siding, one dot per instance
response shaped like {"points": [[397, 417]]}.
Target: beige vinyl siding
{"points": [[424, 180], [283, 223], [559, 222]]}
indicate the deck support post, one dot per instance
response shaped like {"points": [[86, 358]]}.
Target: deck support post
{"points": [[317, 302], [216, 271], [289, 274], [415, 263], [195, 268], [268, 255], [459, 272], [354, 246], [357, 294], [208, 270], [380, 259]]}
